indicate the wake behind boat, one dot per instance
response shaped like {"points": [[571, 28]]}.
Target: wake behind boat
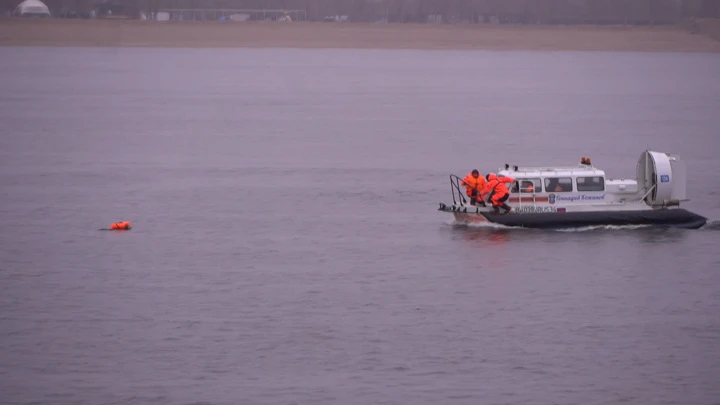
{"points": [[577, 196]]}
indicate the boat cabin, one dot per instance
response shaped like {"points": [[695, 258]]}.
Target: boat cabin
{"points": [[536, 180], [581, 184]]}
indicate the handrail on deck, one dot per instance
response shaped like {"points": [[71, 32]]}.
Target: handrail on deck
{"points": [[455, 182]]}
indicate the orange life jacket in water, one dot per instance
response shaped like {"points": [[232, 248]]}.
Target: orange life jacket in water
{"points": [[120, 225]]}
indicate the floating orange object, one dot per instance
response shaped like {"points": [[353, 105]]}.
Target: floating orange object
{"points": [[120, 225]]}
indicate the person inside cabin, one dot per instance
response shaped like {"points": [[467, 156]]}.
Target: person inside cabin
{"points": [[527, 187], [474, 183], [523, 186], [553, 185], [498, 192]]}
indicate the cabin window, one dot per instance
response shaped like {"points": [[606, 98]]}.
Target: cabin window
{"points": [[527, 186], [558, 184], [595, 183]]}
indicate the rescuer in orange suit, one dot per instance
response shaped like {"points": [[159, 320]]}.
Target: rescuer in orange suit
{"points": [[474, 183], [498, 191]]}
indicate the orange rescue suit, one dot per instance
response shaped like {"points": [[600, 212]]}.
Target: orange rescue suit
{"points": [[474, 185], [497, 186]]}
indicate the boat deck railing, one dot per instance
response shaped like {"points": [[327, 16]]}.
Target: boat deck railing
{"points": [[457, 191]]}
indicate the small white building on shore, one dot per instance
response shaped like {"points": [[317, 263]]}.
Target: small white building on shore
{"points": [[32, 8]]}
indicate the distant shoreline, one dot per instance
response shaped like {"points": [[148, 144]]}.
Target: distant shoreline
{"points": [[133, 33]]}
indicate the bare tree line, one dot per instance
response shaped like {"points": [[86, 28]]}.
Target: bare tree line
{"points": [[502, 11]]}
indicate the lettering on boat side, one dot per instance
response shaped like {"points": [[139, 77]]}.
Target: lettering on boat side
{"points": [[534, 210], [664, 178], [552, 198]]}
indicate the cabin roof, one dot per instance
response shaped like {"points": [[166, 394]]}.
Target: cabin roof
{"points": [[580, 170]]}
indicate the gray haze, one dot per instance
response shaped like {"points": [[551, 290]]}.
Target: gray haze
{"points": [[287, 247]]}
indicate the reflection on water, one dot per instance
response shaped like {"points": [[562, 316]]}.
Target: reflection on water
{"points": [[656, 235], [492, 236], [711, 226]]}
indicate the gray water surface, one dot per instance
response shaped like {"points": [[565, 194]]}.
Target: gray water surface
{"points": [[287, 247]]}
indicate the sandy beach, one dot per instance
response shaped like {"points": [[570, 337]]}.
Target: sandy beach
{"points": [[132, 33]]}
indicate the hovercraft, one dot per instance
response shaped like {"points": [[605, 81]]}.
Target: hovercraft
{"points": [[582, 195]]}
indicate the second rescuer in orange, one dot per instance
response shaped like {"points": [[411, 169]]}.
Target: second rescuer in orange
{"points": [[499, 191]]}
